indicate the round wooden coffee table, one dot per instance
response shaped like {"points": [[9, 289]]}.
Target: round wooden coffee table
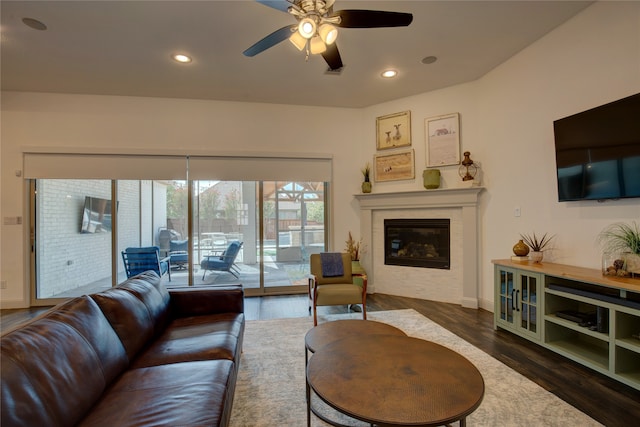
{"points": [[328, 332], [392, 380]]}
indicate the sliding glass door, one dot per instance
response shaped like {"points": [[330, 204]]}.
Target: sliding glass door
{"points": [[78, 242], [217, 219]]}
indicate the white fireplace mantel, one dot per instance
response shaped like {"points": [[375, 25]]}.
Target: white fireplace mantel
{"points": [[465, 199]]}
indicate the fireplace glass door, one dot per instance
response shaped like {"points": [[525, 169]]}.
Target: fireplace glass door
{"points": [[417, 243]]}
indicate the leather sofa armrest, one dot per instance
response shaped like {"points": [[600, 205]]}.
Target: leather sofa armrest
{"points": [[196, 301]]}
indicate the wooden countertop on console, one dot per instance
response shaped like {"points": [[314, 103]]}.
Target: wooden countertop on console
{"points": [[586, 275]]}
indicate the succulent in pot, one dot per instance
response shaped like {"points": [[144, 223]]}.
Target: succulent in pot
{"points": [[537, 245], [620, 243]]}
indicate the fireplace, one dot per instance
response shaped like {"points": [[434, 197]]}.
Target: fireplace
{"points": [[416, 242]]}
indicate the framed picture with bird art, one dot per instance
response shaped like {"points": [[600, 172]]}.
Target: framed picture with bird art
{"points": [[393, 130]]}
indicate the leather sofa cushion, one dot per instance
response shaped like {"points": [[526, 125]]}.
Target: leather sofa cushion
{"points": [[205, 337], [194, 300], [148, 288], [57, 366], [178, 394], [129, 317]]}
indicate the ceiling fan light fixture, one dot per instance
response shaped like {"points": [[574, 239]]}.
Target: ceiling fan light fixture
{"points": [[307, 28], [298, 41], [328, 33], [317, 45]]}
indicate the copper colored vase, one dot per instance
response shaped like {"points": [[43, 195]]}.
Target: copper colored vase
{"points": [[521, 248]]}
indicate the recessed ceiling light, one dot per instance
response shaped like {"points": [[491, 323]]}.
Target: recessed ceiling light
{"points": [[34, 23], [180, 57], [429, 59], [388, 74]]}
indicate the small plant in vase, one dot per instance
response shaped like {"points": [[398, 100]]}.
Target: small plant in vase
{"points": [[621, 243], [537, 245], [354, 247], [366, 184]]}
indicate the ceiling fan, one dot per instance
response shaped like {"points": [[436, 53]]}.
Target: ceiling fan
{"points": [[315, 31]]}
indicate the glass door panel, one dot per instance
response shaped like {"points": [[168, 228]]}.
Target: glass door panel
{"points": [[224, 215], [506, 295], [293, 229], [528, 286], [71, 238]]}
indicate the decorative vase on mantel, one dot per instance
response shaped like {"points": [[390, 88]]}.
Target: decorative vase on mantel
{"points": [[366, 187], [431, 178]]}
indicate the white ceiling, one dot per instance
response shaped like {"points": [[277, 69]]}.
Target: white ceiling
{"points": [[124, 48]]}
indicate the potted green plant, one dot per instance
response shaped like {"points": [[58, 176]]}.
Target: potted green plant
{"points": [[621, 243], [366, 184], [537, 245]]}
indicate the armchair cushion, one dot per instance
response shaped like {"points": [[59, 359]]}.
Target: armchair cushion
{"points": [[339, 294]]}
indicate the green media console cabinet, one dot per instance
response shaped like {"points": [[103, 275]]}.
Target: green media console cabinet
{"points": [[576, 312]]}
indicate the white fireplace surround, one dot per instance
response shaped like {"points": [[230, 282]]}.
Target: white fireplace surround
{"points": [[459, 284]]}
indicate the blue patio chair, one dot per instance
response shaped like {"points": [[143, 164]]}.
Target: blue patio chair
{"points": [[178, 253], [139, 260], [224, 261]]}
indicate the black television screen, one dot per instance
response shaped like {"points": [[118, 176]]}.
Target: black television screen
{"points": [[96, 215], [598, 152]]}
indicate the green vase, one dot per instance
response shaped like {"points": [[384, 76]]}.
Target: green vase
{"points": [[356, 268], [431, 178], [366, 187]]}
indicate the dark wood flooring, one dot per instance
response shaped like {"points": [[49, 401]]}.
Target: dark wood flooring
{"points": [[604, 399]]}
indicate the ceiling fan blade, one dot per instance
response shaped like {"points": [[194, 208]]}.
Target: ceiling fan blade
{"points": [[270, 40], [282, 5], [353, 18], [332, 56]]}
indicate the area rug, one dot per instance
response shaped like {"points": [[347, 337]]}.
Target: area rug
{"points": [[270, 391]]}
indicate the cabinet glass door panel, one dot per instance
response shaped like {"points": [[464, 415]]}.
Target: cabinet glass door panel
{"points": [[506, 295], [528, 286]]}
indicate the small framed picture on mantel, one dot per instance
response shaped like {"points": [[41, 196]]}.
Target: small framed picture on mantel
{"points": [[395, 166]]}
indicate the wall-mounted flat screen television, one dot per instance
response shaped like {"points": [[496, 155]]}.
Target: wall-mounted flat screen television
{"points": [[598, 152], [96, 215]]}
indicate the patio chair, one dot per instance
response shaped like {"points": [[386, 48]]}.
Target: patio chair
{"points": [[224, 261], [139, 260], [178, 253]]}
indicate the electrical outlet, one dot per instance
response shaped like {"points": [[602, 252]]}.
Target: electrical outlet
{"points": [[516, 211], [3, 284]]}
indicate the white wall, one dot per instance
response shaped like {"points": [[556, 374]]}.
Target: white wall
{"points": [[147, 125], [506, 123]]}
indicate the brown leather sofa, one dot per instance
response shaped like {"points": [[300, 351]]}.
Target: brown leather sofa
{"points": [[134, 355]]}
